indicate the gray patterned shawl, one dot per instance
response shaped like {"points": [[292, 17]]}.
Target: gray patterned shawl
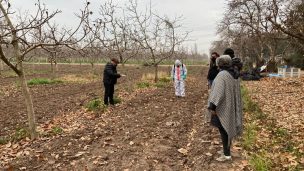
{"points": [[226, 95]]}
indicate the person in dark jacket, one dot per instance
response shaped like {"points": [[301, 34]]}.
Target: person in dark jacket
{"points": [[213, 70], [237, 64], [110, 77]]}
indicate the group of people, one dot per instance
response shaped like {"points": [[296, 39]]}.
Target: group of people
{"points": [[224, 102]]}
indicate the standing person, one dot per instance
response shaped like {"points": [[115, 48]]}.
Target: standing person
{"points": [[225, 104], [110, 77], [179, 74], [212, 73], [237, 65], [229, 52], [213, 70]]}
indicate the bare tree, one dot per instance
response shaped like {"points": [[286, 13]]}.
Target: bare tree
{"points": [[19, 35], [92, 51], [244, 19], [248, 27], [53, 54], [155, 34], [113, 31], [287, 16]]}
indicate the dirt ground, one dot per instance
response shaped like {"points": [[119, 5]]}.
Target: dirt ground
{"points": [[150, 130], [51, 100]]}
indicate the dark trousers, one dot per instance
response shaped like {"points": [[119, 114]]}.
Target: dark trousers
{"points": [[108, 94], [215, 121], [225, 141]]}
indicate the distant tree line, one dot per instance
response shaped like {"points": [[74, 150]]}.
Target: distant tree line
{"points": [[263, 31]]}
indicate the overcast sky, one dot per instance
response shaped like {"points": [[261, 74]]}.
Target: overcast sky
{"points": [[200, 16]]}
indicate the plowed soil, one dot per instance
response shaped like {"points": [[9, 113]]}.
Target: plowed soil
{"points": [[150, 130]]}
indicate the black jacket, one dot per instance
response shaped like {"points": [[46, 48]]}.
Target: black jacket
{"points": [[110, 74], [212, 73]]}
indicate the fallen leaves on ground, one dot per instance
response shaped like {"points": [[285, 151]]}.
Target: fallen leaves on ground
{"points": [[282, 100]]}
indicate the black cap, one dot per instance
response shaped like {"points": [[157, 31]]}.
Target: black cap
{"points": [[229, 52]]}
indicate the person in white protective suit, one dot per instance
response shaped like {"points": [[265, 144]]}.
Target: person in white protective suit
{"points": [[178, 75]]}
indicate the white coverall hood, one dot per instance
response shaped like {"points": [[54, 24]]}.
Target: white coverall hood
{"points": [[178, 62]]}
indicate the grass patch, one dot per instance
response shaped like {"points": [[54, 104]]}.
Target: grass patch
{"points": [[249, 136], [3, 140], [79, 78], [257, 161], [148, 80], [20, 134], [8, 73], [39, 81], [117, 100], [251, 107], [143, 85], [164, 79], [96, 105], [57, 130], [260, 162], [274, 140], [281, 132], [151, 76], [160, 84]]}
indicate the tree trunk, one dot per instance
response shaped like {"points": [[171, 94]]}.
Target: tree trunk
{"points": [[92, 67], [1, 65], [56, 67], [29, 104], [55, 70], [121, 60], [156, 73], [272, 65], [260, 60], [21, 75], [52, 69]]}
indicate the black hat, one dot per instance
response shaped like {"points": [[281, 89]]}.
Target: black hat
{"points": [[229, 52]]}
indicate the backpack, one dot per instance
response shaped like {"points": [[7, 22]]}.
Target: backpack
{"points": [[237, 63]]}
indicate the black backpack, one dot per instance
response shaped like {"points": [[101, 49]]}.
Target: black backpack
{"points": [[237, 63]]}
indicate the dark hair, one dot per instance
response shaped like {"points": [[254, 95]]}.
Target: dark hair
{"points": [[215, 53], [115, 60], [212, 62], [229, 52]]}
